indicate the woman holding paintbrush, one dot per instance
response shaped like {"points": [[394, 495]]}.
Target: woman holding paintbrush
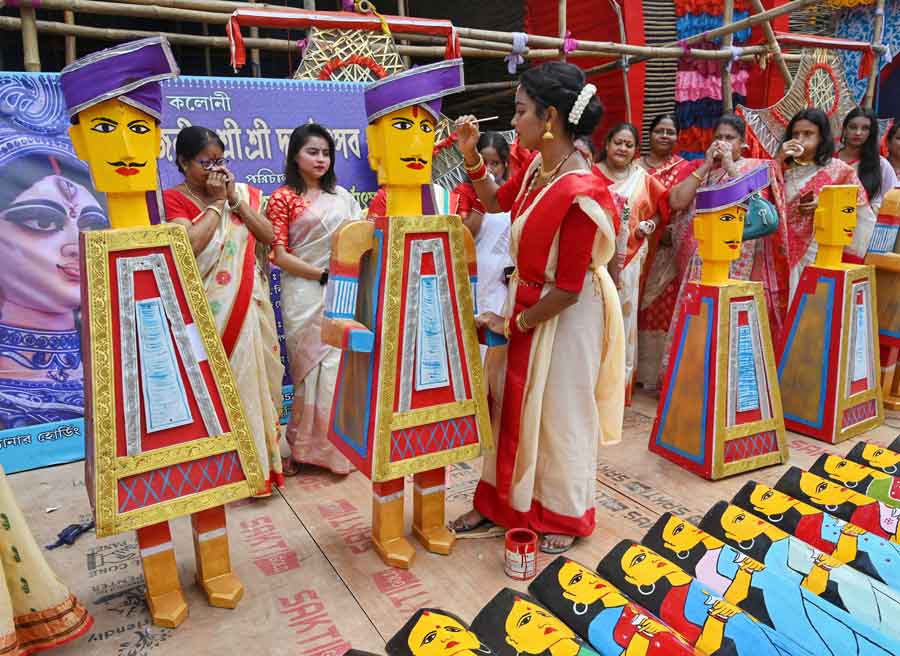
{"points": [[559, 384]]}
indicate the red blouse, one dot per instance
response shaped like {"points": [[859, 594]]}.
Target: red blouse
{"points": [[284, 206], [180, 206]]}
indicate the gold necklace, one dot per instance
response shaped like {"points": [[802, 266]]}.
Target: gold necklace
{"points": [[546, 175], [618, 178], [200, 202]]}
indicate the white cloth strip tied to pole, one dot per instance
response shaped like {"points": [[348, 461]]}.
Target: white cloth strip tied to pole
{"points": [[515, 58]]}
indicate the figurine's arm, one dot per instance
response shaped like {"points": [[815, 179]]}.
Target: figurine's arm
{"points": [[339, 325]]}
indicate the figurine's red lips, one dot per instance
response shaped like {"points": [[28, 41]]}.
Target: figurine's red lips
{"points": [[733, 245], [451, 644], [599, 586], [127, 171], [416, 166], [549, 630]]}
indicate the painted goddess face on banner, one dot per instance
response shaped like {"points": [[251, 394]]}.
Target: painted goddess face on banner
{"points": [[44, 202]]}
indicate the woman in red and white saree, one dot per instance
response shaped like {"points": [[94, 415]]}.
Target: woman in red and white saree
{"points": [[808, 166], [662, 279], [224, 225], [762, 260], [638, 198], [557, 388]]}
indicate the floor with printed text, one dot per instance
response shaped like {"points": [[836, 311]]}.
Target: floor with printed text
{"points": [[314, 585]]}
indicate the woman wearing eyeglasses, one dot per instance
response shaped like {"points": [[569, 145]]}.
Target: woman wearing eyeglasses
{"points": [[224, 225], [45, 201]]}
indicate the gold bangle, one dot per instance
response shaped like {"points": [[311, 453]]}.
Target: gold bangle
{"points": [[506, 328], [521, 324], [474, 167], [215, 209], [697, 177]]}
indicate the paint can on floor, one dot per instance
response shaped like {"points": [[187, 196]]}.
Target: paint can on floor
{"points": [[521, 554]]}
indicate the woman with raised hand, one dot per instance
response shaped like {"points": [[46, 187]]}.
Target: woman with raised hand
{"points": [[225, 227], [559, 383]]}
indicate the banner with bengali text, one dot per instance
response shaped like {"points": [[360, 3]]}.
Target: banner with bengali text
{"points": [[46, 197]]}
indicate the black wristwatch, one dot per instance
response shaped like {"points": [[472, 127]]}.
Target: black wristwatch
{"points": [[323, 278]]}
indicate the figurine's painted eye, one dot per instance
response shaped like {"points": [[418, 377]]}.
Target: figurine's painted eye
{"points": [[847, 210], [104, 125], [427, 127], [727, 217], [402, 124], [138, 127]]}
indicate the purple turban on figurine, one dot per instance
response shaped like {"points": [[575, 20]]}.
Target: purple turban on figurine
{"points": [[733, 192], [130, 72], [422, 85]]}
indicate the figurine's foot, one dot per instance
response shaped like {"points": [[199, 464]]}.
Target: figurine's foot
{"points": [[223, 591], [437, 539], [396, 553], [168, 610]]}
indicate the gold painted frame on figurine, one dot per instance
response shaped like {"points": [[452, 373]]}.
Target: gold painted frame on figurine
{"points": [[726, 433], [387, 420], [844, 401], [105, 405]]}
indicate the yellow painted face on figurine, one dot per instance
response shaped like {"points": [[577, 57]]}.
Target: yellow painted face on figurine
{"points": [[771, 502], [584, 587], [882, 458], [678, 535], [849, 473], [824, 492], [835, 215], [719, 234], [643, 567], [120, 145], [401, 146], [436, 634], [532, 630], [741, 525]]}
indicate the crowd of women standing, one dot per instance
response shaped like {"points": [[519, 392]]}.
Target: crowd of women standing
{"points": [[582, 267]]}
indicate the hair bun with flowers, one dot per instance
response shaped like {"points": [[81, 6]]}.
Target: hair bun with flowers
{"points": [[581, 103]]}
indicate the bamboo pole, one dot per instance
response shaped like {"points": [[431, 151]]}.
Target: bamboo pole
{"points": [[207, 56], [750, 21], [562, 10], [255, 63], [69, 18], [727, 42], [878, 33], [401, 11], [774, 46], [30, 52]]}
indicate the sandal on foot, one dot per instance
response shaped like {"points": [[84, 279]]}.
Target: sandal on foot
{"points": [[289, 467], [459, 526], [554, 550]]}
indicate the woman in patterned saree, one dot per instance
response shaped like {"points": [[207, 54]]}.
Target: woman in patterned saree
{"points": [[639, 198], [224, 225], [305, 212], [662, 280], [805, 156], [558, 386], [763, 260]]}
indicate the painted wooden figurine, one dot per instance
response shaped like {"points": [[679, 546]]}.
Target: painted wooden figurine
{"points": [[165, 430], [435, 632], [877, 457], [514, 624], [597, 611], [854, 507], [884, 255], [836, 585], [714, 626], [863, 551], [409, 397], [862, 478], [719, 412], [812, 621], [828, 364]]}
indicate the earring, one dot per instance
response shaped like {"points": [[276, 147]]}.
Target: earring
{"points": [[775, 518], [649, 592], [579, 608], [683, 555], [745, 546], [548, 133]]}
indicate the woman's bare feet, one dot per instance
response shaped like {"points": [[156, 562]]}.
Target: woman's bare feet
{"points": [[553, 543]]}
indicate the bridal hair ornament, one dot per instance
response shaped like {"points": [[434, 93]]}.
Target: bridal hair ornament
{"points": [[581, 103]]}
